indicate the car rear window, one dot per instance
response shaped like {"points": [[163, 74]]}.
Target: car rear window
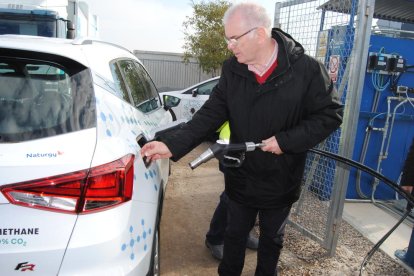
{"points": [[43, 96]]}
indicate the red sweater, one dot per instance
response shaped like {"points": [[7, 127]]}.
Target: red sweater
{"points": [[262, 79]]}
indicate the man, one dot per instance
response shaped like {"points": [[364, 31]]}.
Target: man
{"points": [[407, 178], [407, 183], [270, 92]]}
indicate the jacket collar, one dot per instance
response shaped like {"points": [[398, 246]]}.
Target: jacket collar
{"points": [[289, 51]]}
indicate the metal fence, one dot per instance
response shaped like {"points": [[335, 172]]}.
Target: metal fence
{"points": [[169, 72], [335, 32]]}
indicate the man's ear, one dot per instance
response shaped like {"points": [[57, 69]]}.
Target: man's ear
{"points": [[261, 34]]}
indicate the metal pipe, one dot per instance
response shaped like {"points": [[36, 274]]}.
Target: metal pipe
{"points": [[382, 156], [392, 125], [367, 138]]}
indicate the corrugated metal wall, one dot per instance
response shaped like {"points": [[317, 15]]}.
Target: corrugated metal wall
{"points": [[169, 72]]}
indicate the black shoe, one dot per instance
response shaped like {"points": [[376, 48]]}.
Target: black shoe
{"points": [[216, 250], [252, 242]]}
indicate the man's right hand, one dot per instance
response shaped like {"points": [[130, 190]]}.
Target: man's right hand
{"points": [[155, 150]]}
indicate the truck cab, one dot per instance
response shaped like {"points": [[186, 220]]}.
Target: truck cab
{"points": [[35, 22], [58, 18]]}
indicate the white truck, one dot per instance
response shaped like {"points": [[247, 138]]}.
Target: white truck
{"points": [[49, 18]]}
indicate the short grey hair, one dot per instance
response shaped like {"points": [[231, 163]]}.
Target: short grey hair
{"points": [[254, 15]]}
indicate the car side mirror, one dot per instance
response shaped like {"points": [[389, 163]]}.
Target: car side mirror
{"points": [[194, 93], [170, 101]]}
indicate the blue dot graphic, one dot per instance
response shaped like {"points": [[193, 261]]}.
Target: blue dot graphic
{"points": [[133, 245], [108, 133], [150, 173], [146, 176], [110, 117], [103, 117]]}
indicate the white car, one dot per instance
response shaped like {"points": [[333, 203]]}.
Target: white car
{"points": [[190, 100], [76, 198]]}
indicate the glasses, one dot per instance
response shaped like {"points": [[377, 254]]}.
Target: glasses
{"points": [[235, 40]]}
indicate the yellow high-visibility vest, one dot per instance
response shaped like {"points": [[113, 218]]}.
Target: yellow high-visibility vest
{"points": [[224, 131]]}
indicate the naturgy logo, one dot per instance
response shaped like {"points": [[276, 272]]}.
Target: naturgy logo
{"points": [[44, 155]]}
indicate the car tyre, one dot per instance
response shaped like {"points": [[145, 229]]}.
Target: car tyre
{"points": [[155, 255]]}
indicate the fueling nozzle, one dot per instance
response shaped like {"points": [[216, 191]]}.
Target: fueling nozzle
{"points": [[220, 149]]}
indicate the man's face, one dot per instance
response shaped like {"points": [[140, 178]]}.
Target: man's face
{"points": [[240, 40]]}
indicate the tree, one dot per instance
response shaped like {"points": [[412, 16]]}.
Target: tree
{"points": [[204, 35]]}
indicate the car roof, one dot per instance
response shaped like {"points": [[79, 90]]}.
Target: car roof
{"points": [[200, 83], [192, 86], [73, 49]]}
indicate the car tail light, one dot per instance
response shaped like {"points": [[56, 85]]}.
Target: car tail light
{"points": [[84, 191]]}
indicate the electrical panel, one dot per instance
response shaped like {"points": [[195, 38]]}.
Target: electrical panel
{"points": [[396, 64], [387, 64]]}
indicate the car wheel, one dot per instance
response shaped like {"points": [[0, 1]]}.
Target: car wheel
{"points": [[155, 255]]}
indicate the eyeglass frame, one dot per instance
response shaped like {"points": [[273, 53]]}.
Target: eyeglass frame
{"points": [[235, 40]]}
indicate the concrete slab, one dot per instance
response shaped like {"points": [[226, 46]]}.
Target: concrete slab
{"points": [[374, 222]]}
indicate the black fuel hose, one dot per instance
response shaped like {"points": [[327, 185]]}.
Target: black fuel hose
{"points": [[390, 183]]}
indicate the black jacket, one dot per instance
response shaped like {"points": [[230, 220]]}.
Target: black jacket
{"points": [[295, 104], [407, 178]]}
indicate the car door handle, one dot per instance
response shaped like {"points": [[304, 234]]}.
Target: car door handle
{"points": [[142, 140]]}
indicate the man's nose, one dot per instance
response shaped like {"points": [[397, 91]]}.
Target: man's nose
{"points": [[230, 46]]}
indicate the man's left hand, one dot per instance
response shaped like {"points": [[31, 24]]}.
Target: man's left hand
{"points": [[271, 145]]}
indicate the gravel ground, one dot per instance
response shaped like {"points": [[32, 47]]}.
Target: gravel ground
{"points": [[190, 201], [302, 256]]}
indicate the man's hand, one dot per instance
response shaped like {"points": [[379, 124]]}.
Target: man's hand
{"points": [[155, 150], [271, 145]]}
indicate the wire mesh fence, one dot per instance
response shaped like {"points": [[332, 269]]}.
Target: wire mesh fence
{"points": [[326, 29]]}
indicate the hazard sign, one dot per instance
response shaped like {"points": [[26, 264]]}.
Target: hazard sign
{"points": [[334, 62]]}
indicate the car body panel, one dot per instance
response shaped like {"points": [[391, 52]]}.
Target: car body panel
{"points": [[59, 154], [32, 241], [62, 47], [119, 125], [113, 248]]}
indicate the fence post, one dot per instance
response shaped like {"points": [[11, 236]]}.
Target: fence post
{"points": [[352, 108]]}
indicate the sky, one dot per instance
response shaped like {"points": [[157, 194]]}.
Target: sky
{"points": [[148, 25]]}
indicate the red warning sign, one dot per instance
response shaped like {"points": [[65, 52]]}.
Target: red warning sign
{"points": [[334, 62]]}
